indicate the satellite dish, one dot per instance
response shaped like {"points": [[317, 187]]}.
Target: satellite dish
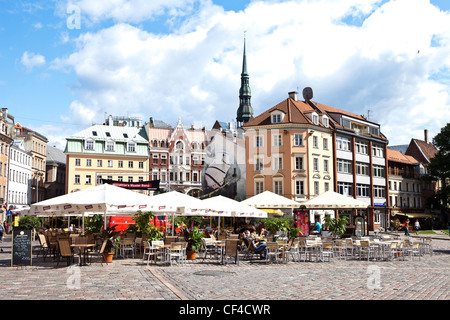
{"points": [[124, 123], [307, 93]]}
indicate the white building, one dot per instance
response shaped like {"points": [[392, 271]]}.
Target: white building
{"points": [[20, 172]]}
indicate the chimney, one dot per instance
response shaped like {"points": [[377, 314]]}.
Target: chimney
{"points": [[426, 135], [293, 95], [152, 124], [110, 120]]}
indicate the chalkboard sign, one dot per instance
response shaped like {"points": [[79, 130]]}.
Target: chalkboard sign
{"points": [[21, 248]]}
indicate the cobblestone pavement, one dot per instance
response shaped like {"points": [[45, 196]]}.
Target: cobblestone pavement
{"points": [[131, 279]]}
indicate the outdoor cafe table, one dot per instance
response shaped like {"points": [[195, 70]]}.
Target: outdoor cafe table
{"points": [[83, 248]]}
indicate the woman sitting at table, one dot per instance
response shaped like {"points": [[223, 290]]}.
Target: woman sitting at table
{"points": [[259, 246]]}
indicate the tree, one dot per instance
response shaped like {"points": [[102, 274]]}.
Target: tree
{"points": [[439, 166], [336, 226]]}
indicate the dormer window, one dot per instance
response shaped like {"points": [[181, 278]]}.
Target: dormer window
{"points": [[131, 146], [276, 117], [110, 145], [89, 144], [325, 121], [315, 118]]}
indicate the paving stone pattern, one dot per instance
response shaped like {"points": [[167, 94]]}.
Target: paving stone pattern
{"points": [[131, 279]]}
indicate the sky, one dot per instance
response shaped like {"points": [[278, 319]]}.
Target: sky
{"points": [[66, 64]]}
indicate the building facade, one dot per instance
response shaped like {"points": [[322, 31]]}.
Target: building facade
{"points": [[301, 149], [6, 123], [405, 186], [55, 182], [289, 151], [20, 176], [36, 144], [177, 156], [106, 152]]}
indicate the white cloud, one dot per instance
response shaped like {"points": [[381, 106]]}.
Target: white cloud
{"points": [[356, 54], [31, 60]]}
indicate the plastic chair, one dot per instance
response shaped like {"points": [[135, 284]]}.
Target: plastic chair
{"points": [[177, 250]]}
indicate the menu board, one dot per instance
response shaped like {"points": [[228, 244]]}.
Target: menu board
{"points": [[21, 248]]}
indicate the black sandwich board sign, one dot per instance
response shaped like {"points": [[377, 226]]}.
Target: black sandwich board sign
{"points": [[21, 248]]}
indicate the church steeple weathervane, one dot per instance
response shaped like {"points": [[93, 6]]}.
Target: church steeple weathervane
{"points": [[245, 110]]}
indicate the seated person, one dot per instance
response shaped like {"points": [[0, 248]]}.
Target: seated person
{"points": [[318, 228], [260, 246]]}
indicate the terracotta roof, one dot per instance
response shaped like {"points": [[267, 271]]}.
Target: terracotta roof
{"points": [[293, 110], [397, 156], [428, 149]]}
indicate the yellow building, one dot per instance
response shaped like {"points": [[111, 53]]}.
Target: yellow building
{"points": [[106, 152]]}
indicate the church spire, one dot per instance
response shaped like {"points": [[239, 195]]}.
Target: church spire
{"points": [[245, 110]]}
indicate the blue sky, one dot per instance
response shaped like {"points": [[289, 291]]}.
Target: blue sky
{"points": [[182, 58]]}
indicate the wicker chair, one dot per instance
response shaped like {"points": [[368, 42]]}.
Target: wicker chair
{"points": [[231, 249], [65, 251]]}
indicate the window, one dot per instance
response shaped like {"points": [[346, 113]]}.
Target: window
{"points": [[298, 140], [344, 166], [278, 187], [78, 162], [88, 162], [259, 142], [315, 118], [345, 188], [316, 188], [108, 134], [120, 164], [325, 121], [120, 178], [259, 163], [99, 163], [277, 163], [362, 190], [361, 147], [89, 145], [346, 123], [88, 179], [316, 164], [179, 145], [77, 179], [141, 165], [131, 147], [277, 140], [130, 164], [299, 187], [130, 179], [378, 171], [378, 151], [276, 118], [325, 165], [298, 163], [327, 186], [378, 192], [99, 180], [259, 187], [325, 143], [374, 130], [110, 145], [315, 142], [110, 163], [343, 143], [362, 168]]}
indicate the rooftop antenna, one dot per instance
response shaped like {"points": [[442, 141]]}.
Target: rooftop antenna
{"points": [[368, 114]]}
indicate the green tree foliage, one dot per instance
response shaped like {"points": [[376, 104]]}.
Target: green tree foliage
{"points": [[30, 223], [439, 167], [337, 226]]}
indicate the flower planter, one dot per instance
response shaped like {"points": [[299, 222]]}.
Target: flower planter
{"points": [[108, 257], [190, 255]]}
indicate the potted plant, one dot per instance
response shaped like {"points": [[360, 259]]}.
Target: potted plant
{"points": [[337, 226], [193, 238], [110, 235]]}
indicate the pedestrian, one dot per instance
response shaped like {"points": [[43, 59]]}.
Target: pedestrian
{"points": [[2, 229], [407, 227], [416, 226]]}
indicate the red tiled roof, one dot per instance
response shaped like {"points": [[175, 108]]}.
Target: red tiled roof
{"points": [[397, 156], [428, 149]]}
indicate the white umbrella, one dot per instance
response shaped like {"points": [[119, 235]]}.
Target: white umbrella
{"points": [[268, 199], [334, 200], [104, 199]]}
